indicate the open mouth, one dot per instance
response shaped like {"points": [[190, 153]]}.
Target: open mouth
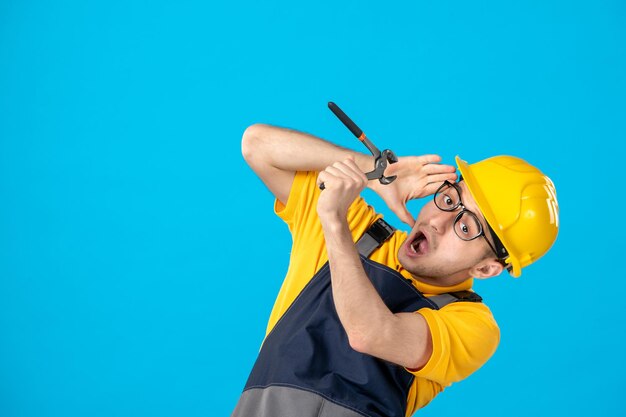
{"points": [[418, 245]]}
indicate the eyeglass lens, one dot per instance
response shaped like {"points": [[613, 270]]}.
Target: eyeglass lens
{"points": [[447, 197], [466, 225]]}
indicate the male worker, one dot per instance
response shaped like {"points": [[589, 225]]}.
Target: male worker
{"points": [[375, 322]]}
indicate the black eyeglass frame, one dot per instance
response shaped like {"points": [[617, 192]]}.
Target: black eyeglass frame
{"points": [[458, 216]]}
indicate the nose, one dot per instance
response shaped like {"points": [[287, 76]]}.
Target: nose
{"points": [[441, 220]]}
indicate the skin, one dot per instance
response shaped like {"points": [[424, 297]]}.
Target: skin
{"points": [[449, 260], [403, 338]]}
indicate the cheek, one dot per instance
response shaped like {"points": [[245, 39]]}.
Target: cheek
{"points": [[458, 252], [449, 247], [428, 210]]}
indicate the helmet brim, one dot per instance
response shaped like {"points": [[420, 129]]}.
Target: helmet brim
{"points": [[481, 200]]}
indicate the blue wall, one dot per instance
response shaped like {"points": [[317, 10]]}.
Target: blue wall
{"points": [[139, 255]]}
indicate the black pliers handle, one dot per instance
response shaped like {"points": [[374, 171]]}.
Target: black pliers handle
{"points": [[380, 158]]}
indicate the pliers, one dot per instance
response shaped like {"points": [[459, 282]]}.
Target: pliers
{"points": [[380, 158]]}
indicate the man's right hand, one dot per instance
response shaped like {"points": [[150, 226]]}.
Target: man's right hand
{"points": [[418, 176]]}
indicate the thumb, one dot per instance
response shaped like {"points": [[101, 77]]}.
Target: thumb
{"points": [[403, 214]]}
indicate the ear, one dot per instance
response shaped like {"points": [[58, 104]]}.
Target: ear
{"points": [[486, 269]]}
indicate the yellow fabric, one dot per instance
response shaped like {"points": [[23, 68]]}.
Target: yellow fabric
{"points": [[519, 203], [464, 334]]}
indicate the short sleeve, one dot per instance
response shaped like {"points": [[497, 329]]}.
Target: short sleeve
{"points": [[300, 212], [302, 199], [465, 335]]}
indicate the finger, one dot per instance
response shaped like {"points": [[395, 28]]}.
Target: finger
{"points": [[325, 178], [341, 166], [355, 168], [350, 169], [406, 217], [403, 214], [428, 159], [439, 178], [431, 188], [340, 172], [438, 168], [320, 179], [335, 171]]}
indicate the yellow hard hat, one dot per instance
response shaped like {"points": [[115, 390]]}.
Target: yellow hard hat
{"points": [[519, 203]]}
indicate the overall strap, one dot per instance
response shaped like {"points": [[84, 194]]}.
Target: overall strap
{"points": [[451, 297], [378, 233], [375, 236]]}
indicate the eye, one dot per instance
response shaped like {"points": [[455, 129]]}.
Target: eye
{"points": [[463, 227], [447, 200]]}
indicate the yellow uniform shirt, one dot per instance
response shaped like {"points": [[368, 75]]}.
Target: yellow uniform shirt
{"points": [[465, 334]]}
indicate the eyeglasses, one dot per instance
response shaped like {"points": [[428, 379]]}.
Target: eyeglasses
{"points": [[466, 224]]}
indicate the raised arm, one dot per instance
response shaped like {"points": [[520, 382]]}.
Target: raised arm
{"points": [[276, 153]]}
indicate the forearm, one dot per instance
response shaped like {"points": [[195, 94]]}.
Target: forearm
{"points": [[373, 329], [290, 150], [276, 153], [361, 311]]}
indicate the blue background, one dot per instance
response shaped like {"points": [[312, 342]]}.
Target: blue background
{"points": [[140, 256]]}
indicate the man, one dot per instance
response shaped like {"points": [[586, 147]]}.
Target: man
{"points": [[380, 327]]}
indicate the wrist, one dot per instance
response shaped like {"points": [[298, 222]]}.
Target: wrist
{"points": [[332, 221], [374, 185], [366, 163], [336, 234]]}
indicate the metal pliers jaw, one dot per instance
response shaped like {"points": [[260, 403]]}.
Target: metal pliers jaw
{"points": [[380, 164], [380, 160]]}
